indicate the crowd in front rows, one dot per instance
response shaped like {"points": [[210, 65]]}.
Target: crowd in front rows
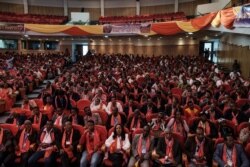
{"points": [[121, 110]]}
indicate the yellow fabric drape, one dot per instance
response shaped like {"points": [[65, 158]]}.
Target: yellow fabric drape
{"points": [[186, 26], [95, 29], [47, 29], [216, 21]]}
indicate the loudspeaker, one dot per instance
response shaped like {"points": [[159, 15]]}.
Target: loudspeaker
{"points": [[82, 10]]}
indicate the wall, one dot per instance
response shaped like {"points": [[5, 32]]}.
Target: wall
{"points": [[8, 7], [235, 46], [46, 10], [148, 50]]}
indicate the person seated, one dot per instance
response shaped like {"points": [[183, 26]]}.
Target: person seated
{"points": [[115, 118], [28, 104], [149, 108], [199, 149], [114, 104], [235, 115], [191, 111], [136, 121], [74, 117], [38, 118], [168, 151], [59, 118], [224, 128], [142, 147], [69, 142], [244, 136], [91, 116], [61, 100], [214, 112], [49, 142], [158, 124], [5, 94], [16, 119], [7, 153], [98, 105], [130, 107], [230, 154], [210, 129], [48, 107], [25, 142], [178, 125], [91, 140], [118, 146]]}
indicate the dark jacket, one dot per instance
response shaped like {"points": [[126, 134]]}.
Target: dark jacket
{"points": [[75, 140], [242, 160], [213, 129], [135, 146], [176, 150], [43, 121], [190, 148], [32, 138], [7, 140], [57, 134], [123, 120]]}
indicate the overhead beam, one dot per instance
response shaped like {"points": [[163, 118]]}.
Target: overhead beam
{"points": [[65, 7], [102, 7], [25, 6], [176, 5]]}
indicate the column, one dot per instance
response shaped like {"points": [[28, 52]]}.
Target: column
{"points": [[176, 5], [138, 7], [102, 7], [65, 7], [25, 6]]}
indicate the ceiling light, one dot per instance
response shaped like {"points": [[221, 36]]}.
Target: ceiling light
{"points": [[190, 33], [26, 35], [106, 36]]}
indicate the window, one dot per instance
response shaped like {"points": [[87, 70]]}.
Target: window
{"points": [[8, 44], [50, 45], [34, 45]]}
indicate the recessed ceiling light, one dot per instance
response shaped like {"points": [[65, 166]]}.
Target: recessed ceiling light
{"points": [[106, 36], [26, 35], [145, 35], [190, 33]]}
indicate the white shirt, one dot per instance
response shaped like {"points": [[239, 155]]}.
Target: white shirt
{"points": [[125, 144], [118, 105], [47, 138]]}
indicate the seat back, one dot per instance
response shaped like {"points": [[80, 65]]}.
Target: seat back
{"points": [[103, 115], [80, 128], [103, 132], [11, 127], [82, 103]]}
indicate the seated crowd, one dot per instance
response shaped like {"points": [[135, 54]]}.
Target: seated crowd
{"points": [[20, 73], [121, 110]]}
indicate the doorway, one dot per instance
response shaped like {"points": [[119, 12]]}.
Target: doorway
{"points": [[207, 50]]}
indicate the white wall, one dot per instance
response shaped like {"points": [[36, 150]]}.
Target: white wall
{"points": [[212, 7]]}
